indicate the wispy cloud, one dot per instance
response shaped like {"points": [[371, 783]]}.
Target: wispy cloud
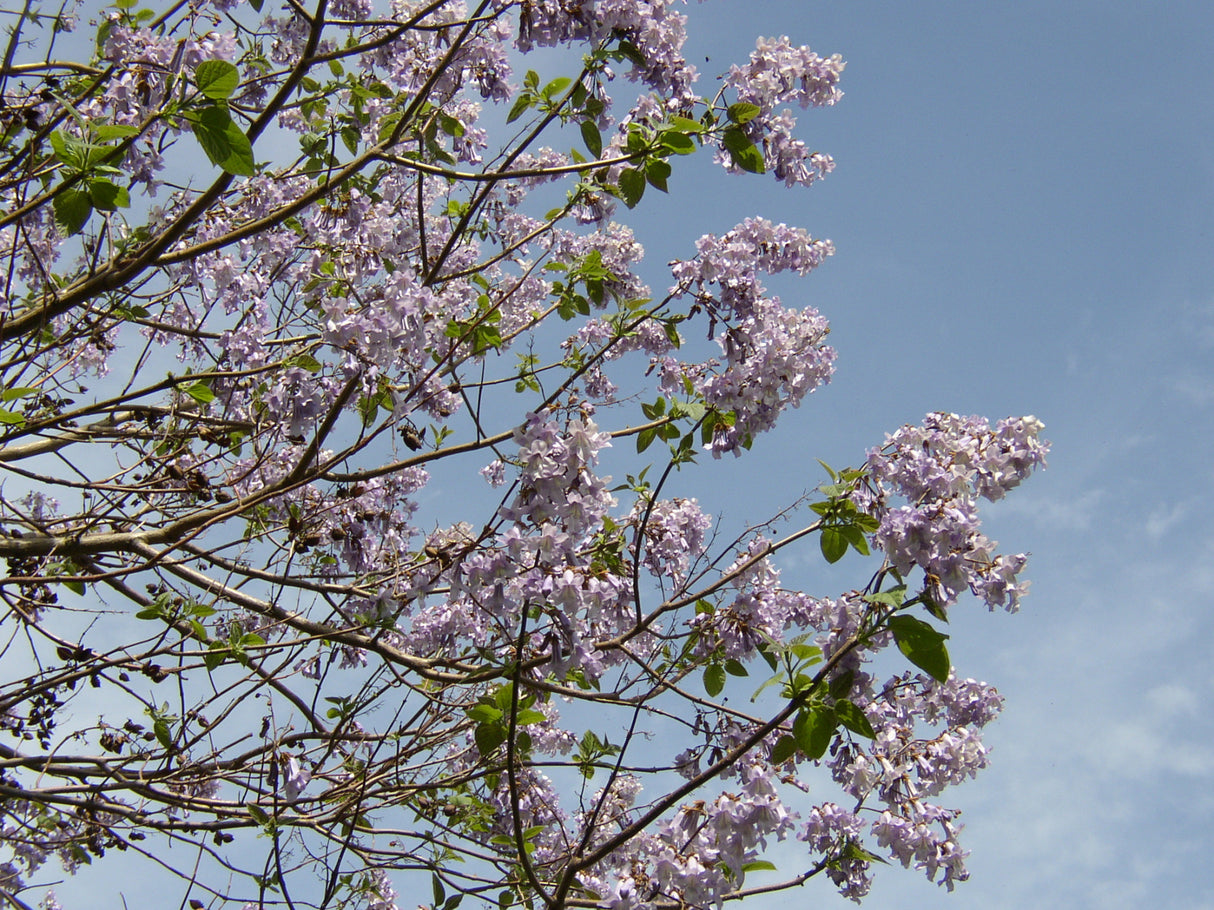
{"points": [[1075, 513], [1164, 518], [1194, 388]]}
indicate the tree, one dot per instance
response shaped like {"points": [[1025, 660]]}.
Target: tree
{"points": [[268, 274]]}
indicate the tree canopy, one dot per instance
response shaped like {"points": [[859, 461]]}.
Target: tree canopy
{"points": [[272, 278]]}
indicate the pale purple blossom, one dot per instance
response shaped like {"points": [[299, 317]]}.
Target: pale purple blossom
{"points": [[296, 777]]}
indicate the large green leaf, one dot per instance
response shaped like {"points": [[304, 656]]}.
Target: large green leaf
{"points": [[813, 730], [592, 137], [743, 112], [922, 645], [489, 737], [107, 196], [834, 544], [783, 750], [632, 186], [854, 719], [72, 209], [745, 154], [222, 140], [217, 79]]}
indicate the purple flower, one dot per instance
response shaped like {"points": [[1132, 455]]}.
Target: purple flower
{"points": [[296, 778]]}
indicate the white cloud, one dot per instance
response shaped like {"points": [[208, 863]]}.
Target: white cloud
{"points": [[1163, 518], [1074, 514], [1197, 389], [1174, 700]]}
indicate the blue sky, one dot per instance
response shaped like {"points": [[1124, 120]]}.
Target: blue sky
{"points": [[1023, 208]]}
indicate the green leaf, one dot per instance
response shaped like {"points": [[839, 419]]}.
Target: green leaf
{"points": [[240, 159], [853, 850], [686, 125], [484, 713], [768, 652], [222, 141], [735, 139], [856, 538], [12, 418], [17, 392], [388, 124], [645, 438], [783, 750], [72, 210], [632, 186], [922, 645], [813, 730], [305, 361], [734, 668], [655, 410], [520, 107], [107, 132], [803, 652], [556, 86], [852, 717], [632, 53], [210, 129], [68, 149], [215, 655], [892, 598], [107, 196], [841, 684], [657, 173], [759, 865], [163, 735], [258, 814], [714, 679], [743, 112], [833, 543], [592, 137], [450, 125], [745, 154], [216, 79], [200, 392], [488, 738], [677, 142]]}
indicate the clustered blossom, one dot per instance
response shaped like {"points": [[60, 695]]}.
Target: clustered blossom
{"points": [[927, 839], [758, 611], [652, 26], [734, 261], [700, 853], [901, 766], [411, 60], [774, 355], [780, 74], [831, 830], [674, 536], [773, 359], [942, 468]]}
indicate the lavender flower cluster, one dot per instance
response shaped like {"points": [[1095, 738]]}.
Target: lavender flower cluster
{"points": [[942, 468]]}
